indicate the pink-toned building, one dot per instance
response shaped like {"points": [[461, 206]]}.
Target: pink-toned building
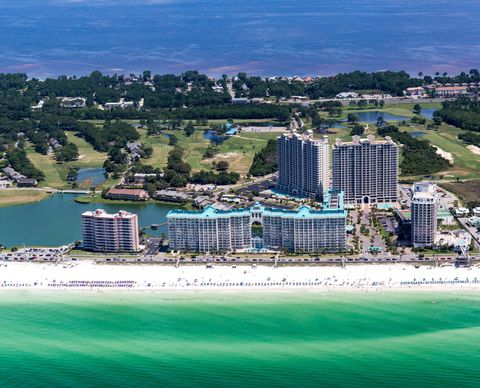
{"points": [[103, 232]]}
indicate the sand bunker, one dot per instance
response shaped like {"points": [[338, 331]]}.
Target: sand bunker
{"points": [[444, 154], [474, 149]]}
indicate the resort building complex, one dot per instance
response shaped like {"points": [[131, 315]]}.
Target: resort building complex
{"points": [[303, 165], [424, 214], [366, 170], [103, 232], [301, 230]]}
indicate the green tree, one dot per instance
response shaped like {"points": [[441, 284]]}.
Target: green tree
{"points": [[352, 118], [222, 165]]}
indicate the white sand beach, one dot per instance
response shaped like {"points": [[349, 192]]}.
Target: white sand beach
{"points": [[87, 275]]}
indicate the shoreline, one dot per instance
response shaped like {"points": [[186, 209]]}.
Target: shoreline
{"points": [[90, 277], [18, 197]]}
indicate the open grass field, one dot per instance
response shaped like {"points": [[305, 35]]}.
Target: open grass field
{"points": [[467, 191], [466, 163], [56, 173], [11, 197], [88, 156], [240, 150], [237, 150], [160, 149], [394, 109]]}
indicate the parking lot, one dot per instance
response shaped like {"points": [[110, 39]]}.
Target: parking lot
{"points": [[36, 254]]}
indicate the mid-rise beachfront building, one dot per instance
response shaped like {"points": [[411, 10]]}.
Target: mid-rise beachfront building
{"points": [[366, 170], [103, 232], [301, 230], [424, 214], [303, 165]]}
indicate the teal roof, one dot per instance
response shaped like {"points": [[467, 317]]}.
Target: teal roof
{"points": [[208, 212], [303, 212], [231, 132]]}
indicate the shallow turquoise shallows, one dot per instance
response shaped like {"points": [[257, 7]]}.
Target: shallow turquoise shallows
{"points": [[229, 339]]}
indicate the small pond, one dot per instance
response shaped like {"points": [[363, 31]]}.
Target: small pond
{"points": [[91, 176]]}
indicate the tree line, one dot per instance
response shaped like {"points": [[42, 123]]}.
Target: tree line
{"points": [[419, 156]]}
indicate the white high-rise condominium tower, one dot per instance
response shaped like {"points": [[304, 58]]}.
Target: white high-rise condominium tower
{"points": [[366, 170], [424, 214], [303, 165], [103, 232]]}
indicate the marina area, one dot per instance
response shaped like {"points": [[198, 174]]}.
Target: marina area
{"points": [[91, 276]]}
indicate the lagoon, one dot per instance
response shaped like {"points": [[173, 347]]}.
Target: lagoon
{"points": [[56, 221]]}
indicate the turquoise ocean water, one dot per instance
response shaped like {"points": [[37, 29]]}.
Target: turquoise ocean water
{"points": [[232, 339]]}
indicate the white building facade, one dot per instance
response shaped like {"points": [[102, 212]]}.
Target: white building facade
{"points": [[424, 214], [103, 232], [301, 230], [366, 170], [303, 165]]}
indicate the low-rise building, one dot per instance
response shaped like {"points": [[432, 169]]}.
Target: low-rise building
{"points": [[127, 194], [172, 196], [344, 95], [141, 179], [415, 92], [462, 212], [451, 91], [201, 201], [4, 183], [12, 174], [72, 102], [27, 182]]}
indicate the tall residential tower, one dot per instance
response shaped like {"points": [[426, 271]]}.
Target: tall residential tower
{"points": [[366, 170], [303, 165], [424, 214], [103, 232]]}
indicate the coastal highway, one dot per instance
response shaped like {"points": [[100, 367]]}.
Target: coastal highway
{"points": [[436, 259]]}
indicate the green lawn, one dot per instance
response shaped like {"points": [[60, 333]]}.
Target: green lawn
{"points": [[160, 147], [466, 163], [88, 156], [56, 173], [237, 150], [240, 150], [52, 170]]}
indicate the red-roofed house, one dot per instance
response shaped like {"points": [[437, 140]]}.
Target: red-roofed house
{"points": [[127, 194]]}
